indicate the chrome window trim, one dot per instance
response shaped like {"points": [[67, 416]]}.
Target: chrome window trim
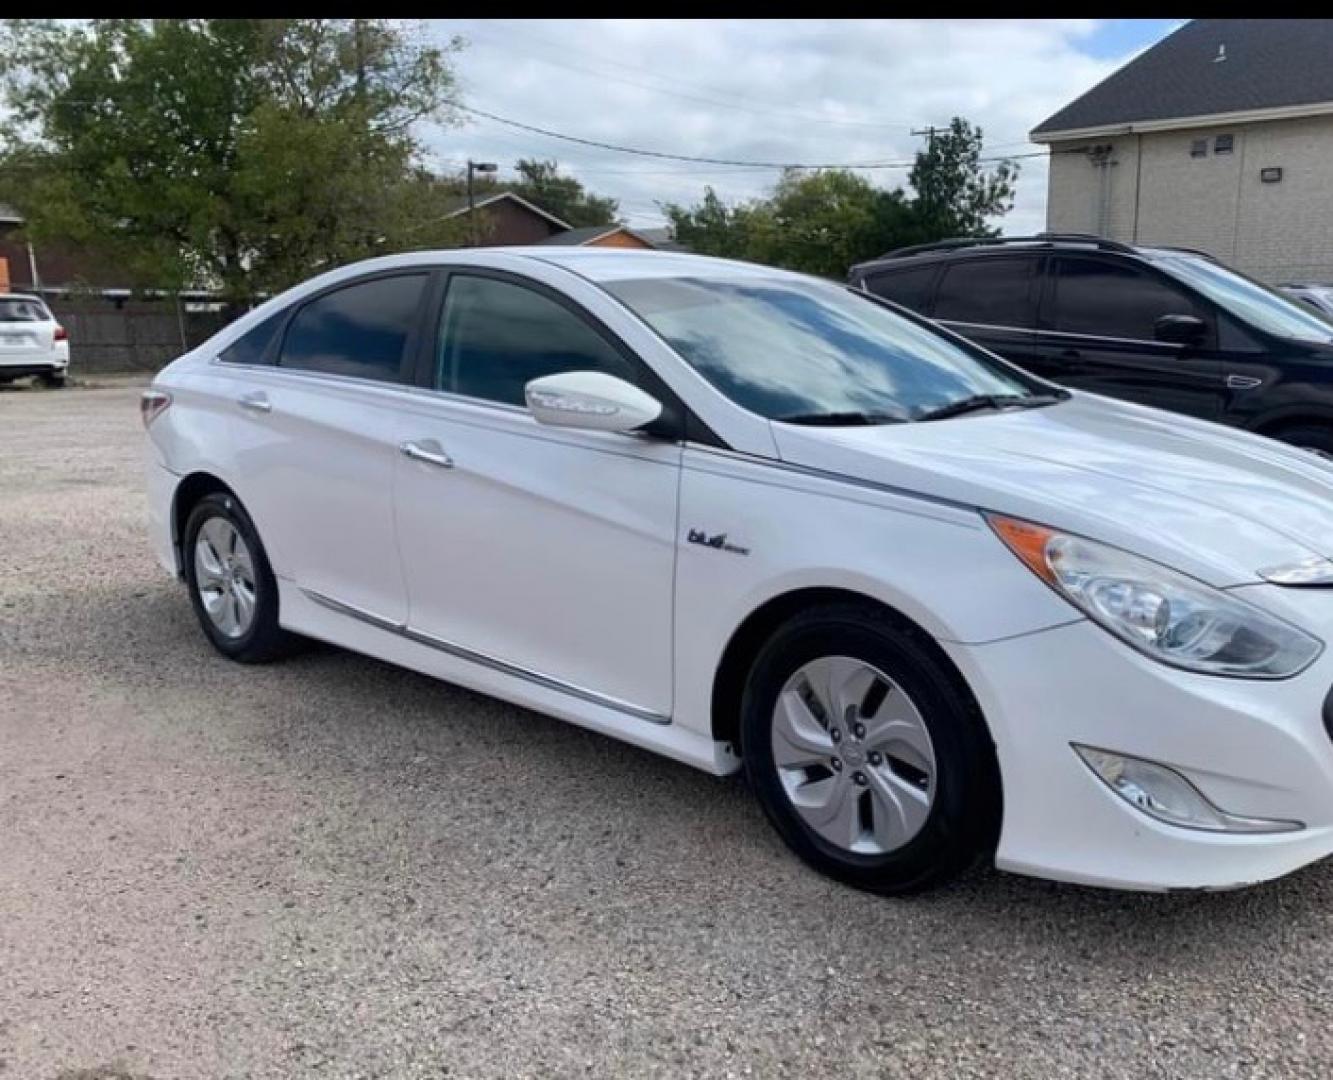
{"points": [[1064, 334], [490, 415], [356, 381], [504, 667]]}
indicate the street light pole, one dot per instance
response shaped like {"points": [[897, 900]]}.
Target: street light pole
{"points": [[482, 167]]}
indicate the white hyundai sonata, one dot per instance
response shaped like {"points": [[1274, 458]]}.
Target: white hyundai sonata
{"points": [[936, 609]]}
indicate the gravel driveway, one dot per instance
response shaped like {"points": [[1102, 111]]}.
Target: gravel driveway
{"points": [[331, 867]]}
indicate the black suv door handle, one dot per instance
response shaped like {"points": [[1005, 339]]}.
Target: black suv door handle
{"points": [[1071, 359]]}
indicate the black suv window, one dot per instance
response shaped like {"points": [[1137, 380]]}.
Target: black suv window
{"points": [[359, 330], [495, 337], [995, 290], [909, 286], [1114, 299]]}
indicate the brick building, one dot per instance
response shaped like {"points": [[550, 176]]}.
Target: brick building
{"points": [[1220, 137]]}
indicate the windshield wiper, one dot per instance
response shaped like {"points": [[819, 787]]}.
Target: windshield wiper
{"points": [[977, 402], [840, 419]]}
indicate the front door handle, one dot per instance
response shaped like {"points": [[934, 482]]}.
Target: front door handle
{"points": [[429, 451], [255, 402], [1071, 360]]}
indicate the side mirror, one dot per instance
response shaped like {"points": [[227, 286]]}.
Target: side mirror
{"points": [[591, 400], [1180, 329]]}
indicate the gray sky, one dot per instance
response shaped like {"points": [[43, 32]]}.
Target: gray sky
{"points": [[778, 91]]}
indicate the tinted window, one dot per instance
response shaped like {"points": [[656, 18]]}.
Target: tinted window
{"points": [[1114, 299], [22, 310], [785, 346], [495, 337], [911, 288], [986, 290], [252, 346], [360, 330]]}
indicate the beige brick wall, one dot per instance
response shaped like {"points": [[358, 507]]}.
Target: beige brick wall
{"points": [[1158, 194]]}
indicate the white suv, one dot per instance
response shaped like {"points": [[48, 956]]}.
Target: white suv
{"points": [[31, 341], [935, 607]]}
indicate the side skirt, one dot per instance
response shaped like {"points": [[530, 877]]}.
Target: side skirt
{"points": [[321, 617]]}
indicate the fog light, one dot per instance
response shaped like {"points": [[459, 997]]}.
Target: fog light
{"points": [[1164, 794]]}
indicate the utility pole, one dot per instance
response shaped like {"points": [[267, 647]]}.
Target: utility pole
{"points": [[475, 166], [929, 133]]}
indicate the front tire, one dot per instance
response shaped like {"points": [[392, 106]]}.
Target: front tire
{"points": [[870, 759], [232, 587]]}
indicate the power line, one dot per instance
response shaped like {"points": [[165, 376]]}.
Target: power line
{"points": [[617, 148], [753, 108]]}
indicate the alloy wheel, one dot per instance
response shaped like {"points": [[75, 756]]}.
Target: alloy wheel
{"points": [[225, 576], [854, 755]]}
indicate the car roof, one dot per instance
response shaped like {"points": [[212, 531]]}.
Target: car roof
{"points": [[620, 264]]}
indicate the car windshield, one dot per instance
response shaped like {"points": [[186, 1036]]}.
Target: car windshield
{"points": [[1249, 301], [17, 309], [796, 349]]}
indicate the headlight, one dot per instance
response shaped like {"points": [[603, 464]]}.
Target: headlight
{"points": [[1161, 612]]}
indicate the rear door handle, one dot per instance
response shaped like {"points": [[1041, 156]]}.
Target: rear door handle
{"points": [[255, 402], [429, 451], [1071, 359]]}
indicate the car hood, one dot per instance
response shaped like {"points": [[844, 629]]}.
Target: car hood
{"points": [[1209, 500]]}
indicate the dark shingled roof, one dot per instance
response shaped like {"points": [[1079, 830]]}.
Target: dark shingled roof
{"points": [[1269, 63]]}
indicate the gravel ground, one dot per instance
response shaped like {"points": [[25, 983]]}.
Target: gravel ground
{"points": [[331, 867]]}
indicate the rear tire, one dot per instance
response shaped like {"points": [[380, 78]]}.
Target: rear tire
{"points": [[54, 381], [232, 587], [901, 743]]}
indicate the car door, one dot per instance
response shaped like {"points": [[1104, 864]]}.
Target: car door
{"points": [[546, 552], [990, 298], [317, 434], [1096, 333]]}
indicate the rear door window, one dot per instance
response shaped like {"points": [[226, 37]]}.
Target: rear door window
{"points": [[987, 290], [1110, 299], [361, 330], [909, 287], [254, 346]]}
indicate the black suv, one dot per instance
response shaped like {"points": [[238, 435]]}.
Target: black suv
{"points": [[1161, 326]]}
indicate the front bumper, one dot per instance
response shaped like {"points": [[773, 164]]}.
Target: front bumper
{"points": [[1254, 748]]}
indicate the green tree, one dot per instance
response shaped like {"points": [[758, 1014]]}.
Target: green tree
{"points": [[824, 221], [955, 194], [235, 153], [564, 196], [714, 228]]}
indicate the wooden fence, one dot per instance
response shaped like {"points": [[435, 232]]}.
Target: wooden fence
{"points": [[108, 335]]}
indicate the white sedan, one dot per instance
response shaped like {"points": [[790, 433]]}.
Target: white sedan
{"points": [[937, 609]]}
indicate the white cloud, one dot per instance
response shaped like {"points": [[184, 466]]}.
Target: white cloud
{"points": [[809, 91]]}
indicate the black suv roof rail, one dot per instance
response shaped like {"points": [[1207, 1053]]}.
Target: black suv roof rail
{"points": [[1099, 242], [1185, 251]]}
